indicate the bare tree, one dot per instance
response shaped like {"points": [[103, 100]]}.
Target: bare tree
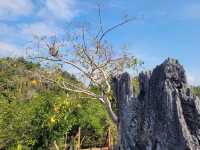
{"points": [[91, 56]]}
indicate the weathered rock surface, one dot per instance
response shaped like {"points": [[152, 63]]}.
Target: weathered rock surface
{"points": [[165, 115]]}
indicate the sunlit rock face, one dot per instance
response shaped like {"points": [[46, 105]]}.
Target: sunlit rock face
{"points": [[165, 115]]}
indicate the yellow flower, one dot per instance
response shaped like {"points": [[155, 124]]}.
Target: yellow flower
{"points": [[110, 97], [52, 119], [56, 108], [34, 82], [78, 105], [19, 147]]}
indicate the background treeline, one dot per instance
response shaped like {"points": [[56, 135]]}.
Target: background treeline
{"points": [[196, 91], [34, 114]]}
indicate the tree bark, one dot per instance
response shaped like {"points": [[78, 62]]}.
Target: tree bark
{"points": [[164, 116]]}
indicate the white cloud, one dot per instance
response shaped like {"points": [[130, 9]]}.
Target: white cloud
{"points": [[14, 8], [44, 22], [56, 9], [193, 79], [192, 11], [11, 50], [23, 34], [59, 9], [27, 31], [40, 29], [9, 31], [4, 28]]}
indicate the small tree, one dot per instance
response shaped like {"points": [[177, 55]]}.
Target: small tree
{"points": [[91, 56]]}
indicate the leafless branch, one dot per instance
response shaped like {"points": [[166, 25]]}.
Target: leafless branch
{"points": [[100, 22], [115, 26]]}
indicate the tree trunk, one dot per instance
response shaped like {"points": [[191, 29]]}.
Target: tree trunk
{"points": [[164, 116]]}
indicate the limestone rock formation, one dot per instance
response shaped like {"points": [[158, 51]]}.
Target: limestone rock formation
{"points": [[165, 115]]}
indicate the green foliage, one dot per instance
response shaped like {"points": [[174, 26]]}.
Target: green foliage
{"points": [[136, 86], [35, 122], [15, 79], [196, 91], [15, 124]]}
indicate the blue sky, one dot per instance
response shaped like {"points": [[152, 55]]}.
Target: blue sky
{"points": [[163, 29]]}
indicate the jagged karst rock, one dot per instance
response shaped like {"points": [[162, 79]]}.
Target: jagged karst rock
{"points": [[165, 115]]}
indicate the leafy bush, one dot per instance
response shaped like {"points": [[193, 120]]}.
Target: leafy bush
{"points": [[35, 122]]}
